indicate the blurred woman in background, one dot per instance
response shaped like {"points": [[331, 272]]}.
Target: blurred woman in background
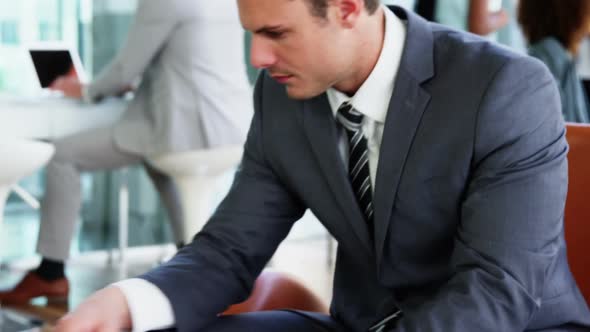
{"points": [[555, 30]]}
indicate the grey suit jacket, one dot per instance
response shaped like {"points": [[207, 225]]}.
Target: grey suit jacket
{"points": [[563, 67], [194, 92], [469, 199]]}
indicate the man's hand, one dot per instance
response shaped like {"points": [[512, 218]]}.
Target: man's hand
{"points": [[104, 311], [70, 86]]}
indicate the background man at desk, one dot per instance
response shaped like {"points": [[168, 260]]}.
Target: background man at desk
{"points": [[194, 94], [446, 200]]}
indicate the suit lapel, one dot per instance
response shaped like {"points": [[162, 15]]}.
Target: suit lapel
{"points": [[407, 105], [405, 111], [320, 128]]}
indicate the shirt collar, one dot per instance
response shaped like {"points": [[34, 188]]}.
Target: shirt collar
{"points": [[372, 98]]}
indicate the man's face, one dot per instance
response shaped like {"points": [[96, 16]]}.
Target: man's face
{"points": [[306, 53]]}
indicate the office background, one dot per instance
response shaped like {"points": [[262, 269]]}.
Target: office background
{"points": [[96, 29]]}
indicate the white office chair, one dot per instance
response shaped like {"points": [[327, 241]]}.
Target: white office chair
{"points": [[196, 174], [20, 158]]}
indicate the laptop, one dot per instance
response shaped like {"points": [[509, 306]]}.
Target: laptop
{"points": [[53, 59]]}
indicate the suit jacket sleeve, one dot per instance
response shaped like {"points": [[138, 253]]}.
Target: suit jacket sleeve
{"points": [[219, 267], [512, 214], [155, 20]]}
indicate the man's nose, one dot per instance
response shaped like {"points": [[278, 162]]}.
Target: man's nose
{"points": [[261, 53]]}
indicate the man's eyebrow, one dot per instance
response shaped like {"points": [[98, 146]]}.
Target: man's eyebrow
{"points": [[268, 28]]}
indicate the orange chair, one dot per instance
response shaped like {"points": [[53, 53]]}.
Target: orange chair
{"points": [[275, 290], [577, 207]]}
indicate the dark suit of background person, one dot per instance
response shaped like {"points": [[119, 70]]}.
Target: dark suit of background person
{"points": [[194, 94], [425, 8], [469, 199]]}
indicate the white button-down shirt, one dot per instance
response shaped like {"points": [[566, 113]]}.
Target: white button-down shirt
{"points": [[372, 98], [149, 307]]}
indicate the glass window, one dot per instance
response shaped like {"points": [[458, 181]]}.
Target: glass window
{"points": [[27, 21], [9, 32]]}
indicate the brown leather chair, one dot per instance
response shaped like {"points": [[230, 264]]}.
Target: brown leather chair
{"points": [[577, 208], [276, 290]]}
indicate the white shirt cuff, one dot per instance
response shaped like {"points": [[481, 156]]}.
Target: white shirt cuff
{"points": [[150, 309]]}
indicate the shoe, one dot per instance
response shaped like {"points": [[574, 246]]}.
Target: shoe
{"points": [[32, 286]]}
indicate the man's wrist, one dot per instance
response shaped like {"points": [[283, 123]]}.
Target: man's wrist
{"points": [[148, 306]]}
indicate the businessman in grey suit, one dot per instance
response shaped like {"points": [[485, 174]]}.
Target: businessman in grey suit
{"points": [[189, 55], [436, 159]]}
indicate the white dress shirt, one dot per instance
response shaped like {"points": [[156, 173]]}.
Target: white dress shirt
{"points": [[149, 307], [372, 98]]}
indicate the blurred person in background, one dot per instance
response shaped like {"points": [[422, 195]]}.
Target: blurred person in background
{"points": [[494, 19], [555, 30], [407, 4], [194, 94]]}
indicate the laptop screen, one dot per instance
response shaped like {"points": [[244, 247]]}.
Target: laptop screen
{"points": [[50, 64], [52, 60]]}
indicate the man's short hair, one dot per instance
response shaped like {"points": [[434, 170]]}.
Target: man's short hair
{"points": [[561, 19], [319, 7]]}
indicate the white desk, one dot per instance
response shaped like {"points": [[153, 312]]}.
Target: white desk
{"points": [[52, 117]]}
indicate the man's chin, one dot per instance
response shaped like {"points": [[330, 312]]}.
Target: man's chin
{"points": [[300, 94]]}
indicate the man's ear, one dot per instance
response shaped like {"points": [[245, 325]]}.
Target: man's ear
{"points": [[348, 11]]}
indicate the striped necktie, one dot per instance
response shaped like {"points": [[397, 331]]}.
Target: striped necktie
{"points": [[358, 162]]}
